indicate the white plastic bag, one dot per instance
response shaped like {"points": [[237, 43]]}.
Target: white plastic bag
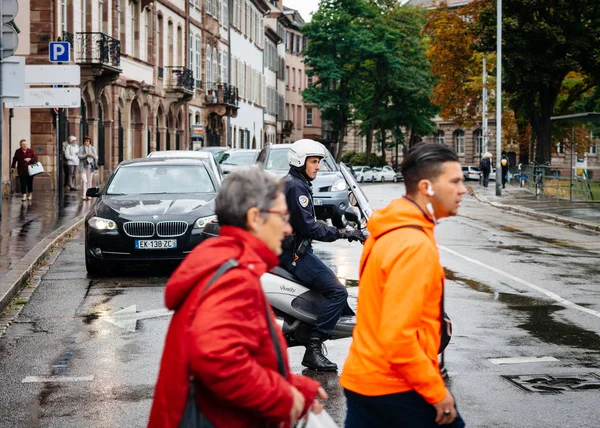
{"points": [[322, 420]]}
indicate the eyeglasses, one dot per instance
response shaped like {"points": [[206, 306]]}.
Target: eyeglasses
{"points": [[285, 215]]}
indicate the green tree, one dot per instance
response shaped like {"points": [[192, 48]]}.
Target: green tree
{"points": [[337, 40], [543, 41]]}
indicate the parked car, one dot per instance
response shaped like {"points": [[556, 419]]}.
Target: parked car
{"points": [[217, 151], [398, 177], [190, 154], [237, 158], [363, 173], [384, 173], [330, 191], [471, 173], [150, 209]]}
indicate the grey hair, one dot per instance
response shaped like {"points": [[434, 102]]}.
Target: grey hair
{"points": [[244, 189]]}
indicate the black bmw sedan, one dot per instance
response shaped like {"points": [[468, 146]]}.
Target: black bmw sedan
{"points": [[150, 210]]}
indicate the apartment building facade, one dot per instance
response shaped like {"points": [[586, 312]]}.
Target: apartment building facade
{"points": [[274, 69]]}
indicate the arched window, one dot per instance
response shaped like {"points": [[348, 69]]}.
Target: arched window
{"points": [[208, 66], [459, 141], [180, 47], [441, 137], [478, 139]]}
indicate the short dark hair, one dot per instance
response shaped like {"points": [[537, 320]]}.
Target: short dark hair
{"points": [[424, 161], [87, 138], [244, 189]]}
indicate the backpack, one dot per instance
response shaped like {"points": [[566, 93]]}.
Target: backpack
{"points": [[504, 161], [484, 164]]}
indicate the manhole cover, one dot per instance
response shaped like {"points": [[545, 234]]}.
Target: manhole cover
{"points": [[554, 384]]}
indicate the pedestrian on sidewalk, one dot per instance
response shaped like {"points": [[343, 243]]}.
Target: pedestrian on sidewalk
{"points": [[392, 377], [222, 340], [24, 157], [88, 163], [72, 157], [504, 164], [486, 168]]}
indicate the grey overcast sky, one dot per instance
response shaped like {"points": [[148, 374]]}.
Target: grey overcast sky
{"points": [[306, 7]]}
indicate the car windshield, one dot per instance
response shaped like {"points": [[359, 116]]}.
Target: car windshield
{"points": [[162, 179], [278, 160], [238, 158]]}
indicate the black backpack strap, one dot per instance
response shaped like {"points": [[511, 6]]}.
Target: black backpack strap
{"points": [[274, 339]]}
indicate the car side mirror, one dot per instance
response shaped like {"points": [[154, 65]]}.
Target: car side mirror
{"points": [[352, 199], [93, 192]]}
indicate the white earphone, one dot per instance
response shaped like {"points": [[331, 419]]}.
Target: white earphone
{"points": [[430, 191]]}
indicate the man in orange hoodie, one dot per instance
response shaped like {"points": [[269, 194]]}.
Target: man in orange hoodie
{"points": [[391, 377]]}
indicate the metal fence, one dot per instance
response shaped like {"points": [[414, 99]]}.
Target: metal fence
{"points": [[582, 185]]}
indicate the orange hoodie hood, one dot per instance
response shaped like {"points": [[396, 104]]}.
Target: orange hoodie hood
{"points": [[399, 213]]}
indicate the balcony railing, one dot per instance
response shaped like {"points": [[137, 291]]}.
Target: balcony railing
{"points": [[179, 78], [217, 93], [68, 37], [97, 49]]}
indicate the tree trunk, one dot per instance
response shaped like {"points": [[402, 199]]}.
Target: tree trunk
{"points": [[383, 141], [541, 121], [341, 143]]}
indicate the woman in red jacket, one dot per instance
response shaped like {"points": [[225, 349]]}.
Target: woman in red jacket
{"points": [[22, 159], [221, 338]]}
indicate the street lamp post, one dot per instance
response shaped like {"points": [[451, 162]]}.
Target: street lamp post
{"points": [[499, 97]]}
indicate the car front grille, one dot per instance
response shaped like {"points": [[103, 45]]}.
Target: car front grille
{"points": [[171, 229], [139, 229]]}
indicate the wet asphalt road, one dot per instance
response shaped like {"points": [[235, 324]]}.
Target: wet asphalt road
{"points": [[517, 287]]}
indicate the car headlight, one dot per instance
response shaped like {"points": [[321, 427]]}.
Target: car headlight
{"points": [[203, 221], [99, 223], [339, 185]]}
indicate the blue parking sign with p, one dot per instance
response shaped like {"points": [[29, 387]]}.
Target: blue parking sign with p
{"points": [[60, 52]]}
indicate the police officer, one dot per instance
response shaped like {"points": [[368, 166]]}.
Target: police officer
{"points": [[304, 158]]}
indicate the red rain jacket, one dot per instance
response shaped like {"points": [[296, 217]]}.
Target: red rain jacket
{"points": [[226, 340]]}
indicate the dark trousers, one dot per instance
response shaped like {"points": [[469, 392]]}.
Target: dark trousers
{"points": [[317, 276], [504, 177], [402, 410], [486, 178], [26, 184]]}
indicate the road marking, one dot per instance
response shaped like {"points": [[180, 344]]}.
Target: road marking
{"points": [[547, 293], [521, 360], [37, 379], [128, 317]]}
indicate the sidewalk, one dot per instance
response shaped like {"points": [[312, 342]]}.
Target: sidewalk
{"points": [[28, 230], [520, 200]]}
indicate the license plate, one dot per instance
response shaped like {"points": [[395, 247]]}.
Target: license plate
{"points": [[318, 201], [155, 244]]}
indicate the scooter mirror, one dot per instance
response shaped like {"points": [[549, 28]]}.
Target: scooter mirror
{"points": [[352, 199]]}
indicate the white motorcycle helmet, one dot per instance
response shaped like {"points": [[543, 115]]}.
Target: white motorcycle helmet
{"points": [[303, 149]]}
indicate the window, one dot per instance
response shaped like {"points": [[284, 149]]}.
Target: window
{"points": [[235, 14], [441, 137], [100, 13], [287, 76], [478, 137], [299, 80], [215, 66], [309, 81], [298, 41], [593, 149], [159, 37], [147, 21], [299, 117], [119, 18], [191, 54], [292, 42], [459, 141], [170, 46], [209, 6], [63, 17], [309, 116], [293, 78], [225, 13], [135, 30], [198, 59], [208, 66], [83, 5]]}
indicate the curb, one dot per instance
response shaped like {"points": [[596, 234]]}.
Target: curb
{"points": [[567, 221], [12, 283]]}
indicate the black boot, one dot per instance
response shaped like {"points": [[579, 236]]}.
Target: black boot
{"points": [[314, 357]]}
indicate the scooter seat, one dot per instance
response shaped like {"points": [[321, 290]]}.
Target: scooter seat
{"points": [[279, 271]]}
